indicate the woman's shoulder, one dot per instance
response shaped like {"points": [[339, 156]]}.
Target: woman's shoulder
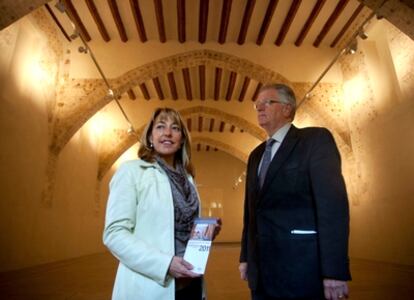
{"points": [[135, 165]]}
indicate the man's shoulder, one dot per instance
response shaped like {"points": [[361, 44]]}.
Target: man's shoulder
{"points": [[316, 136], [258, 147], [257, 151], [313, 131]]}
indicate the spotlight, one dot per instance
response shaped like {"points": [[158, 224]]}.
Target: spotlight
{"points": [[362, 35], [60, 6], [131, 130], [83, 50], [353, 47], [110, 95]]}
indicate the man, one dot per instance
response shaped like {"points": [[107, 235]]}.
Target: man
{"points": [[296, 214]]}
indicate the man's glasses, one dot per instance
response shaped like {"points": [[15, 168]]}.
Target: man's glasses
{"points": [[266, 103]]}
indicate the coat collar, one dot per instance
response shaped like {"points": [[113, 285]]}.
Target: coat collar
{"points": [[146, 165]]}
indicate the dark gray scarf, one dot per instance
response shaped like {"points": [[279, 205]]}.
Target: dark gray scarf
{"points": [[185, 203]]}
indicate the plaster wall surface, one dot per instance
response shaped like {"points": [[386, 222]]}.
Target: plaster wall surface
{"points": [[38, 233], [382, 141]]}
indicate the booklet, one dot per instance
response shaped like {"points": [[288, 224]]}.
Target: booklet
{"points": [[198, 247]]}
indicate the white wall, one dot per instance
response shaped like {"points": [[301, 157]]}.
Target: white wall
{"points": [[216, 176], [70, 225], [382, 226]]}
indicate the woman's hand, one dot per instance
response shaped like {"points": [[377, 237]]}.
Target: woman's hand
{"points": [[179, 268]]}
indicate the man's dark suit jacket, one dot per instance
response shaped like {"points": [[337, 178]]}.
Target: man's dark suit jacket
{"points": [[303, 191]]}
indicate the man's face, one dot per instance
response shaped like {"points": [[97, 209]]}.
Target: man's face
{"points": [[271, 115]]}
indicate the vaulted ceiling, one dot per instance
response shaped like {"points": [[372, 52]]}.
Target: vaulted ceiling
{"points": [[207, 58]]}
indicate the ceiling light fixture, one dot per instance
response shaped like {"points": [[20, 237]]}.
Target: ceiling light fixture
{"points": [[74, 36], [351, 47], [60, 6], [131, 130], [362, 35], [83, 50]]}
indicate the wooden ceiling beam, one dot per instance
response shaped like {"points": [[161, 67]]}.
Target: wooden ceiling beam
{"points": [[328, 25], [187, 83], [189, 124], [173, 86], [98, 20], [224, 23], [203, 21], [144, 91], [202, 78], [248, 11], [118, 21], [256, 92], [217, 82], [221, 126], [244, 88], [74, 16], [158, 88], [139, 22], [181, 20], [288, 21], [52, 14], [200, 123], [347, 25], [211, 125], [266, 21], [131, 94], [230, 87], [160, 20], [309, 22]]}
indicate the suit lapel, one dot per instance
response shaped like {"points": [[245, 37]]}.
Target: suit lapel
{"points": [[255, 165], [281, 155]]}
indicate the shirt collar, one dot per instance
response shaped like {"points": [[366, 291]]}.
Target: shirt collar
{"points": [[280, 134]]}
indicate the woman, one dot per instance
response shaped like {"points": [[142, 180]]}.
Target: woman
{"points": [[151, 209]]}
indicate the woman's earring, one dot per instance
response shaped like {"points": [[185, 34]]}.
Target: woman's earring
{"points": [[151, 145]]}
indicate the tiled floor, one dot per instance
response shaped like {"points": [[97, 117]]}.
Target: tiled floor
{"points": [[91, 278]]}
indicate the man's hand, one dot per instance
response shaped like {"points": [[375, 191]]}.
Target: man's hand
{"points": [[243, 270], [179, 268], [335, 289]]}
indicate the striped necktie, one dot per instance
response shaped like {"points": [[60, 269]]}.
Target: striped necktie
{"points": [[267, 158]]}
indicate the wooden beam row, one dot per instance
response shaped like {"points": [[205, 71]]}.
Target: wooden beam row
{"points": [[224, 21]]}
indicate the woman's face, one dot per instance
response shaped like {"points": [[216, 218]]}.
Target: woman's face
{"points": [[166, 137]]}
